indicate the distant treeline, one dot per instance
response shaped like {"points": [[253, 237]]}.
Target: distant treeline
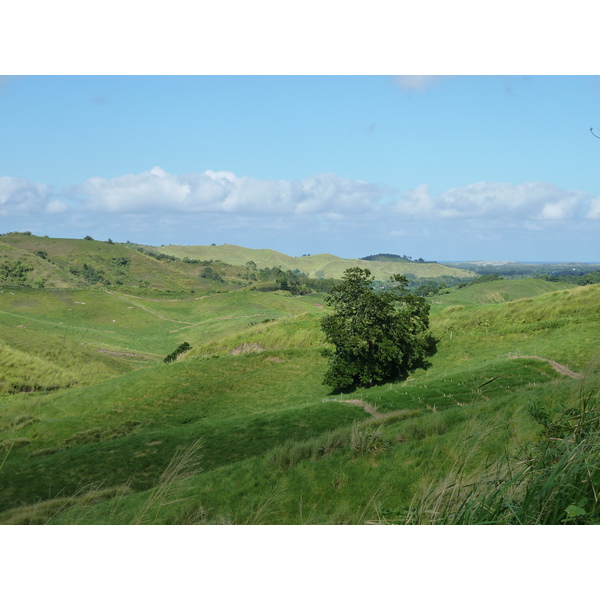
{"points": [[526, 270], [495, 276], [296, 282], [429, 287], [578, 279]]}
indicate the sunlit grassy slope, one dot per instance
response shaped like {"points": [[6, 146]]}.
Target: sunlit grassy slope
{"points": [[319, 265], [494, 292], [61, 263], [274, 445]]}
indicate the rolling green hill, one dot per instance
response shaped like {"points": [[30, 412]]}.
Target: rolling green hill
{"points": [[95, 428], [319, 265], [70, 263], [56, 263], [493, 292]]}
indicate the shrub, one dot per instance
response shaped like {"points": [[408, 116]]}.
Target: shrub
{"points": [[178, 351]]}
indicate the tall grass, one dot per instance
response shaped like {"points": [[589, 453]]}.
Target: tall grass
{"points": [[185, 462], [555, 480]]}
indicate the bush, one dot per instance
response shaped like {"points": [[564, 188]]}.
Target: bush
{"points": [[178, 351]]}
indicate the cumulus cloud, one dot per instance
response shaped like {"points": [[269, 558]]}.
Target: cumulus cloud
{"points": [[225, 192], [21, 196], [536, 220], [485, 200], [594, 210]]}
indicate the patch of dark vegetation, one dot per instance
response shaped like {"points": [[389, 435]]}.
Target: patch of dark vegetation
{"points": [[90, 274], [14, 387], [15, 271], [575, 277], [177, 352]]}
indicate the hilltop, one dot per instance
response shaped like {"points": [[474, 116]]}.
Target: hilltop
{"points": [[57, 263], [315, 266]]}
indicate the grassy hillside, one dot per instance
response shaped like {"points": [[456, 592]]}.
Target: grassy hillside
{"points": [[241, 430], [83, 332], [319, 265], [70, 263], [493, 292]]}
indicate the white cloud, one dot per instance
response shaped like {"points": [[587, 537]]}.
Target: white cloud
{"points": [[327, 213], [533, 200], [594, 211], [21, 196], [57, 207], [225, 192]]}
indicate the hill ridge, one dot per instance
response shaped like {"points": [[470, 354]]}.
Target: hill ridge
{"points": [[317, 266]]}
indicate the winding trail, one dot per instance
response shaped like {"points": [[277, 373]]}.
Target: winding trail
{"points": [[562, 369], [372, 410], [365, 405], [556, 366]]}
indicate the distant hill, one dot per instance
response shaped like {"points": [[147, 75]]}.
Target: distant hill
{"points": [[59, 263], [63, 263], [497, 292], [524, 269], [392, 258], [317, 266]]}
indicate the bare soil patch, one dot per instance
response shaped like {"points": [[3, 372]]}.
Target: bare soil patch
{"points": [[357, 402]]}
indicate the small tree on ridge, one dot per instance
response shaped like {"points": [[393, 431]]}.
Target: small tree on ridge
{"points": [[376, 336]]}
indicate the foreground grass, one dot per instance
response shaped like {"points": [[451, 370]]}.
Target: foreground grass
{"points": [[242, 431], [373, 472]]}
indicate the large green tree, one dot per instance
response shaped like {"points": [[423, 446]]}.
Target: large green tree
{"points": [[374, 336]]}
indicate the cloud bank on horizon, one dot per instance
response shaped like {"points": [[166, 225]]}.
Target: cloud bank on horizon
{"points": [[325, 205]]}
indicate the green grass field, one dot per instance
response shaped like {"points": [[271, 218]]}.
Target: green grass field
{"points": [[96, 428]]}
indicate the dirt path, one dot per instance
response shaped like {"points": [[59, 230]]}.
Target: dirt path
{"points": [[377, 415], [155, 314], [365, 405], [372, 410], [556, 366]]}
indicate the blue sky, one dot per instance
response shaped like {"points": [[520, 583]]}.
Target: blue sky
{"points": [[444, 168]]}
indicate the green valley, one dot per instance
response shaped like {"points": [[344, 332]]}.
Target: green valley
{"points": [[95, 428]]}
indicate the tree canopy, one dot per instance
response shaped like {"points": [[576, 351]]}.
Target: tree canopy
{"points": [[375, 336]]}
